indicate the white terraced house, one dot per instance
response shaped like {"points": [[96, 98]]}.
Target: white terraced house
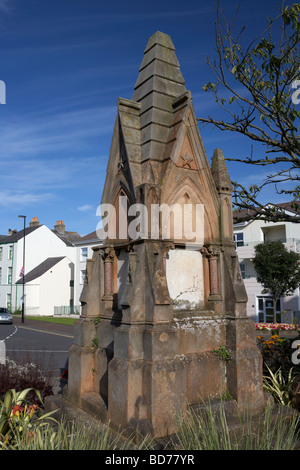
{"points": [[49, 268], [249, 234]]}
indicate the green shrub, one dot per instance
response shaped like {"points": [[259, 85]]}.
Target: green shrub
{"points": [[18, 419], [280, 387], [211, 430]]}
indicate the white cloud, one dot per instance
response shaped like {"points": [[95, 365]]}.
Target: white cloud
{"points": [[32, 135], [85, 208], [21, 198], [45, 175]]}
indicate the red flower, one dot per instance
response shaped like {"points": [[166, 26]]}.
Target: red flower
{"points": [[64, 374], [16, 409]]}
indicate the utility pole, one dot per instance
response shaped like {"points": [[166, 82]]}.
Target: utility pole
{"points": [[23, 298]]}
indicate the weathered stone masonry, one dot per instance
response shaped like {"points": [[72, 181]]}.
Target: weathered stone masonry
{"points": [[157, 308]]}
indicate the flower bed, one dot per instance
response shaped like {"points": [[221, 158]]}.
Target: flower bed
{"points": [[277, 354], [277, 326], [21, 377]]}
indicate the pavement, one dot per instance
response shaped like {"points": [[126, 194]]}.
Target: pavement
{"points": [[42, 325]]}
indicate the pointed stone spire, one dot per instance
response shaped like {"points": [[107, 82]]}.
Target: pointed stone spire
{"points": [[159, 82], [220, 173]]}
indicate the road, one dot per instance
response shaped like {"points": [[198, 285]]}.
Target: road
{"points": [[42, 343]]}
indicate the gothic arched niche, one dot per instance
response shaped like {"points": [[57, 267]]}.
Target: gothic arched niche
{"points": [[184, 264], [194, 204], [121, 203]]}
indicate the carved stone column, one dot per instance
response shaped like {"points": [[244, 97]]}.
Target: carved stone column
{"points": [[212, 253], [108, 257]]}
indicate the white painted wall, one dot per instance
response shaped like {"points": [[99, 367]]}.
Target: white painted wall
{"points": [[32, 297], [40, 244], [50, 290]]}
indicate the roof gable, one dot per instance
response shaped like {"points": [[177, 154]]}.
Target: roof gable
{"points": [[16, 236], [41, 269]]}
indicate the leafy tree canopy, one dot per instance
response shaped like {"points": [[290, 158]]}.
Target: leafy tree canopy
{"points": [[277, 269]]}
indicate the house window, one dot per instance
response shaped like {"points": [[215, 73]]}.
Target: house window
{"points": [[8, 301], [239, 239], [10, 251], [82, 276], [0, 275], [9, 275], [265, 310], [84, 254], [243, 270], [1, 253]]}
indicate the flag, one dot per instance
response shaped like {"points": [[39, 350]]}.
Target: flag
{"points": [[22, 272]]}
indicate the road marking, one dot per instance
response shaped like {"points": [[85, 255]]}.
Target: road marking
{"points": [[9, 336], [44, 331]]}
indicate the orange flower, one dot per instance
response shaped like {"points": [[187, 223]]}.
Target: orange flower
{"points": [[16, 410]]}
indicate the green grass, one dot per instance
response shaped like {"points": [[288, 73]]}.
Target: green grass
{"points": [[275, 430], [58, 320]]}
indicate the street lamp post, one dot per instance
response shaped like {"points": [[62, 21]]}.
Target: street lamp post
{"points": [[23, 298]]}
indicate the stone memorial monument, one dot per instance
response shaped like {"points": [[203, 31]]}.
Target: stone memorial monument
{"points": [[163, 291]]}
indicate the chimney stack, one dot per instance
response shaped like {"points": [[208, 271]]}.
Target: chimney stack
{"points": [[34, 222], [60, 226]]}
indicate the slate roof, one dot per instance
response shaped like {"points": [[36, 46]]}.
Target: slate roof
{"points": [[238, 215], [90, 237], [69, 238], [40, 269], [16, 236]]}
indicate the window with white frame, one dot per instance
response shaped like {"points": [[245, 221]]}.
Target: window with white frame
{"points": [[10, 251], [82, 276], [0, 275], [243, 269], [1, 252], [83, 254], [265, 309], [9, 275], [239, 239], [8, 301]]}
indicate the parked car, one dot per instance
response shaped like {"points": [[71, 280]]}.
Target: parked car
{"points": [[5, 316]]}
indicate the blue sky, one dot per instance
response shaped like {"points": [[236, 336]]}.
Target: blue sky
{"points": [[65, 63]]}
